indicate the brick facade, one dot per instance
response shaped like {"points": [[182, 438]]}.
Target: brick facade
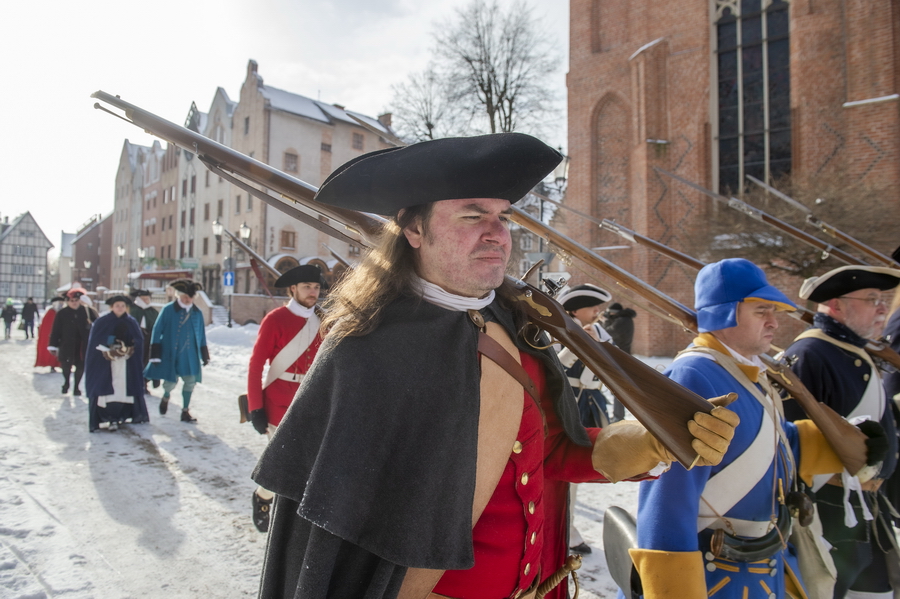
{"points": [[642, 93]]}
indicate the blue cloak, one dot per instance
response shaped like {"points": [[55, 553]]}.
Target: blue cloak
{"points": [[98, 373]]}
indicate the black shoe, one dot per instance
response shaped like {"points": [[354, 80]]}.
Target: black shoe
{"points": [[164, 404], [186, 416], [65, 388], [76, 392], [583, 549], [261, 508]]}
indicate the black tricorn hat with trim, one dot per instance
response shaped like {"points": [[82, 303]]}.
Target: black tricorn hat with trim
{"points": [[500, 165], [848, 279], [188, 287], [305, 273], [118, 298], [139, 292], [583, 296]]}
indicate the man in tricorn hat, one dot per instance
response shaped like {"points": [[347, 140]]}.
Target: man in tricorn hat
{"points": [[288, 340], [145, 315], [583, 302], [69, 337], [113, 371], [830, 360], [402, 438], [745, 501], [178, 346]]}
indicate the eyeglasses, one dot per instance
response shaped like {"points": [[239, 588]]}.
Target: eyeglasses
{"points": [[877, 302]]}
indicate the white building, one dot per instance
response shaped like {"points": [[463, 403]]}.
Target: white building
{"points": [[23, 259]]}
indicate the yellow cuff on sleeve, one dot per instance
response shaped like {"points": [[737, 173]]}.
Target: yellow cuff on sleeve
{"points": [[816, 454], [668, 574], [626, 449]]}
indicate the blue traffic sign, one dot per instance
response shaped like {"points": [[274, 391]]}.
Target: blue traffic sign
{"points": [[228, 278]]}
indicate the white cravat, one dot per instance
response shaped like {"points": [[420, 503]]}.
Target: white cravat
{"points": [[450, 301], [184, 306], [300, 310]]}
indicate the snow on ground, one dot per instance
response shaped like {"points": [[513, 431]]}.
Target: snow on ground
{"points": [[159, 509]]}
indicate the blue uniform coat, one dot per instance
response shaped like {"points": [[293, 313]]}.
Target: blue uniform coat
{"points": [[179, 339], [668, 508]]}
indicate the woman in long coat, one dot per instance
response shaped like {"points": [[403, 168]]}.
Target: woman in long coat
{"points": [[44, 357], [114, 368], [69, 339]]}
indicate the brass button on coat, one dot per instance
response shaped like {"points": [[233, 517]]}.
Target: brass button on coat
{"points": [[531, 509], [533, 537], [527, 569], [865, 377], [517, 447], [524, 478], [857, 362]]}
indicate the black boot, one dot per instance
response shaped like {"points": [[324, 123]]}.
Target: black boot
{"points": [[65, 388], [76, 392], [164, 404], [261, 508], [186, 416]]}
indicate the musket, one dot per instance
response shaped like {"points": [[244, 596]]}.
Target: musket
{"points": [[757, 214], [337, 256], [847, 440], [877, 349], [627, 377], [824, 227]]}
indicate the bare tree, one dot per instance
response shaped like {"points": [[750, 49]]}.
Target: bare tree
{"points": [[495, 66], [422, 110]]}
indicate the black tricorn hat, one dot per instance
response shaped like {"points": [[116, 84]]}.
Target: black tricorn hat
{"points": [[583, 296], [500, 165], [896, 254], [848, 279], [57, 298], [139, 292], [188, 287], [305, 273], [118, 298]]}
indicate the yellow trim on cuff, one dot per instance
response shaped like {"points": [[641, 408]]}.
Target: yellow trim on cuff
{"points": [[816, 454]]}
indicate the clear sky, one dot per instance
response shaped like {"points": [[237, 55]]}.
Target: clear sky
{"points": [[59, 156]]}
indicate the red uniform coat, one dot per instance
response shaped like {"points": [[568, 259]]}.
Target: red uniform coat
{"points": [[44, 357], [528, 509], [277, 330]]}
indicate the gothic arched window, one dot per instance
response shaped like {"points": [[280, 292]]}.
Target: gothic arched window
{"points": [[754, 91]]}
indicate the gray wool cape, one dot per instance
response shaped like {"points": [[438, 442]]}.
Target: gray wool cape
{"points": [[373, 465]]}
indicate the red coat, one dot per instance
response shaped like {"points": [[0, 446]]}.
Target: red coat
{"points": [[277, 329], [525, 525], [44, 357]]}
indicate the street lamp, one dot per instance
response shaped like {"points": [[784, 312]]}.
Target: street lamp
{"points": [[560, 176], [218, 229]]}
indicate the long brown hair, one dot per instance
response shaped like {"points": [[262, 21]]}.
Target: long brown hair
{"points": [[387, 272]]}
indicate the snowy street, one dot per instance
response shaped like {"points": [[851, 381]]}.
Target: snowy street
{"points": [[159, 509]]}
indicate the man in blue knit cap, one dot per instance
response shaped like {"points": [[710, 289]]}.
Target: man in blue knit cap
{"points": [[722, 530]]}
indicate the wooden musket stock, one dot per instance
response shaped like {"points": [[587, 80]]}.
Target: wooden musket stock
{"points": [[615, 368]]}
